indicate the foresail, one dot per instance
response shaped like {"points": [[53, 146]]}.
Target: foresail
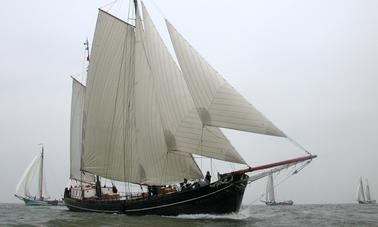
{"points": [[109, 109], [23, 186], [183, 129], [77, 108], [217, 102]]}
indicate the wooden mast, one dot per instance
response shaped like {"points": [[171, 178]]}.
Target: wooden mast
{"points": [[136, 6]]}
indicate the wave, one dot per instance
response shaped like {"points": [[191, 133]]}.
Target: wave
{"points": [[239, 216]]}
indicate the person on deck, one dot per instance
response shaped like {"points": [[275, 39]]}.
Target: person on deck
{"points": [[114, 189], [208, 177], [66, 192]]}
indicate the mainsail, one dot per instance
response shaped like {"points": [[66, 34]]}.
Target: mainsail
{"points": [[76, 135], [270, 189], [217, 102], [124, 138], [34, 169]]}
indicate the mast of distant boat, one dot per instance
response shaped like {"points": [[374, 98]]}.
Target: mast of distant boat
{"points": [[41, 176]]}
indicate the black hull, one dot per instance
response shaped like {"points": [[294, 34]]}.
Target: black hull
{"points": [[217, 198]]}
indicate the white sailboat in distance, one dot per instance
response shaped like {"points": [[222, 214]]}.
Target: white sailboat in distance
{"points": [[24, 186], [269, 195], [364, 198]]}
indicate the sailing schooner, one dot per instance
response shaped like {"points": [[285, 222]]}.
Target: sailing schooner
{"points": [[140, 119], [35, 168], [364, 198]]}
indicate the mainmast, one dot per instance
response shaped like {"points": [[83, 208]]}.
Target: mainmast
{"points": [[136, 7]]}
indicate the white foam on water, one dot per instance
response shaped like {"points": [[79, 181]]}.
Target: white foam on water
{"points": [[241, 215]]}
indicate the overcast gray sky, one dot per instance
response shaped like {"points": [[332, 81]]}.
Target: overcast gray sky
{"points": [[310, 66]]}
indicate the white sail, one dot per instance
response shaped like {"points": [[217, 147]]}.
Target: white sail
{"points": [[360, 192], [124, 139], [217, 102], [161, 166], [183, 129], [109, 126], [367, 191], [24, 186], [76, 142], [270, 189]]}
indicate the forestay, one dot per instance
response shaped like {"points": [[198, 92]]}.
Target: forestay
{"points": [[217, 102]]}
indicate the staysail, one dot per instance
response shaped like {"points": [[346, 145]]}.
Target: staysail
{"points": [[124, 139], [163, 166], [24, 186], [76, 135], [183, 129], [270, 189], [217, 102]]}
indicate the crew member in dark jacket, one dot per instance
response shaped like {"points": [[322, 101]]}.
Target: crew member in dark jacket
{"points": [[208, 177]]}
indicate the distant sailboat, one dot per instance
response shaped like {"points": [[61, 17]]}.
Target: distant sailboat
{"points": [[35, 168], [364, 198], [270, 198]]}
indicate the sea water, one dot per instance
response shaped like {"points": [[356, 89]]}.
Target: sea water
{"points": [[255, 215]]}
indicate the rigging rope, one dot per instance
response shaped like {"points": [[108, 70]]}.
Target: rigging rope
{"points": [[158, 9], [298, 145], [111, 5]]}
